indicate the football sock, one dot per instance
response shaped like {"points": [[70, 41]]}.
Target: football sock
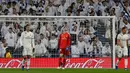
{"points": [[60, 61], [117, 62], [64, 61], [23, 62], [126, 63], [28, 63]]}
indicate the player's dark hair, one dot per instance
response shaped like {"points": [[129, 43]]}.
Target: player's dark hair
{"points": [[123, 28], [26, 26], [10, 28], [42, 34]]}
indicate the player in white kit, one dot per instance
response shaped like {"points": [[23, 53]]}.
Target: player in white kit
{"points": [[27, 42], [122, 52]]}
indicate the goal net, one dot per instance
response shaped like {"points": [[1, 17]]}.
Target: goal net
{"points": [[92, 41]]}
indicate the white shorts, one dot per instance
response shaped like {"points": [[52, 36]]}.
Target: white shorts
{"points": [[122, 52], [27, 51]]}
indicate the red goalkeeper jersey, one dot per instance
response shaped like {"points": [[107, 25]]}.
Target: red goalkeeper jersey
{"points": [[64, 40]]}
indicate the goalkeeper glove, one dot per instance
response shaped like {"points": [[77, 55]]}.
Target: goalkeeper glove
{"points": [[67, 48]]}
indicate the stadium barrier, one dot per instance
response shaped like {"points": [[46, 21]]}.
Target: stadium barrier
{"points": [[53, 63]]}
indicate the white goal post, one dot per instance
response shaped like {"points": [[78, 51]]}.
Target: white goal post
{"points": [[52, 19]]}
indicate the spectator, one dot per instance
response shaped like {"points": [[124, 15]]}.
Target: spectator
{"points": [[82, 8], [69, 11], [43, 28], [125, 22], [8, 54], [18, 47], [121, 20], [10, 40], [23, 12], [4, 5], [81, 45], [74, 29], [96, 47], [44, 40], [1, 11], [104, 8], [118, 9], [37, 35], [3, 48], [41, 50], [87, 40], [74, 49], [126, 5], [40, 9], [53, 45], [108, 32], [90, 28], [13, 12], [51, 10], [10, 9], [18, 44], [62, 8], [53, 42], [22, 4], [106, 50], [92, 12], [4, 29], [112, 12]]}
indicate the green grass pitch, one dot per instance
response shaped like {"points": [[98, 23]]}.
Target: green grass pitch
{"points": [[64, 71]]}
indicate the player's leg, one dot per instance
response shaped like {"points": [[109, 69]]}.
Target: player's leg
{"points": [[23, 62], [117, 63], [29, 55], [28, 62], [119, 55], [60, 61], [126, 62], [24, 58], [66, 53], [64, 61], [125, 54], [60, 58]]}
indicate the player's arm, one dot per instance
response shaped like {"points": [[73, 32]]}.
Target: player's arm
{"points": [[21, 39], [15, 39], [59, 41], [127, 42], [118, 41], [17, 44], [68, 41], [33, 42]]}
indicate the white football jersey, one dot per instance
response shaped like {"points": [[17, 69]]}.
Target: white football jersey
{"points": [[27, 40], [123, 38]]}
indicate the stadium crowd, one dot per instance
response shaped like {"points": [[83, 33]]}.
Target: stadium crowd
{"points": [[89, 37]]}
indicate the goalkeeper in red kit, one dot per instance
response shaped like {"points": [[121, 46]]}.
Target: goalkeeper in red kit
{"points": [[63, 44]]}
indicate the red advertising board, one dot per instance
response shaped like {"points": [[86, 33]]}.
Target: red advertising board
{"points": [[53, 63]]}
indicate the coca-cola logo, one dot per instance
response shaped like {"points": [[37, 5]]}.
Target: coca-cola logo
{"points": [[90, 63], [14, 63]]}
